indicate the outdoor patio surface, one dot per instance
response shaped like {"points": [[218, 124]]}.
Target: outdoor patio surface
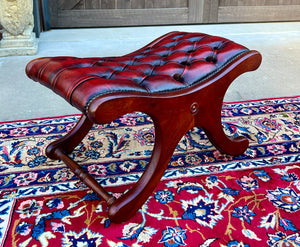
{"points": [[278, 76]]}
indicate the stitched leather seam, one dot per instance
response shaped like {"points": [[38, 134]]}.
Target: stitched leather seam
{"points": [[77, 84], [57, 74], [218, 69]]}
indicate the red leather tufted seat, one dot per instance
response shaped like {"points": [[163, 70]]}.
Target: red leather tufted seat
{"points": [[172, 62], [179, 80]]}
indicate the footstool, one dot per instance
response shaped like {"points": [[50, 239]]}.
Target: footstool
{"points": [[179, 80]]}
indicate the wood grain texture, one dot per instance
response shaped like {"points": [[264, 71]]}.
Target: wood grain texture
{"points": [[120, 4], [125, 17], [70, 4], [210, 11], [92, 4], [259, 13], [258, 2], [124, 4], [99, 13], [196, 9]]}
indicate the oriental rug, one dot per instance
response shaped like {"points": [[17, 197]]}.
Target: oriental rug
{"points": [[204, 199]]}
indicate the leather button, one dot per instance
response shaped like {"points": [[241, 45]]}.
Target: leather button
{"points": [[178, 77], [191, 51], [185, 63], [211, 59]]}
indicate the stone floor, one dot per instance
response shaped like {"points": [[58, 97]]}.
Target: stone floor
{"points": [[278, 76]]}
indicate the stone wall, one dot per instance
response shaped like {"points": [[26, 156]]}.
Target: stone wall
{"points": [[16, 18]]}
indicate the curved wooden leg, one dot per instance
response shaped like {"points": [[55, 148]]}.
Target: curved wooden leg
{"points": [[167, 135], [60, 148], [211, 123], [68, 142]]}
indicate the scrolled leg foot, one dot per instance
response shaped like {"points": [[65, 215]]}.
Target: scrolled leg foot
{"points": [[234, 146]]}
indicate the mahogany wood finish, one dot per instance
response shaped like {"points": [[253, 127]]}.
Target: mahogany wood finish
{"points": [[179, 80]]}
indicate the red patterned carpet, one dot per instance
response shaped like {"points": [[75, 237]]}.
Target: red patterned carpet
{"points": [[205, 198]]}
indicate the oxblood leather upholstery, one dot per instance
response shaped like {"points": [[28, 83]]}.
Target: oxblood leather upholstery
{"points": [[179, 80], [172, 62]]}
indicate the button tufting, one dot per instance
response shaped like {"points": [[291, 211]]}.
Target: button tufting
{"points": [[185, 63], [178, 77], [211, 59], [171, 63]]}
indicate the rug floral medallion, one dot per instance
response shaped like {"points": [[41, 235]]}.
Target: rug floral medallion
{"points": [[205, 198]]}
